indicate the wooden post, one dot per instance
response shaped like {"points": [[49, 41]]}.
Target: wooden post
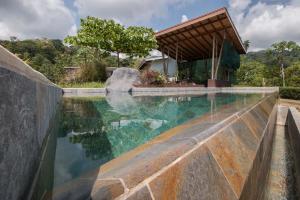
{"points": [[216, 56], [181, 56], [220, 55], [213, 58], [164, 61], [176, 61], [177, 54], [118, 55], [168, 62]]}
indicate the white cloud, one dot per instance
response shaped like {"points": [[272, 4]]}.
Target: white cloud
{"points": [[127, 11], [265, 23], [239, 4], [35, 18], [73, 30], [184, 18]]}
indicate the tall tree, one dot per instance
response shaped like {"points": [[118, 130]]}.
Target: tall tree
{"points": [[281, 51], [110, 37], [246, 44]]}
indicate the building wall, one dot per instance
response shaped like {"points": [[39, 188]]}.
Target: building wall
{"points": [[158, 65], [28, 102], [199, 71]]}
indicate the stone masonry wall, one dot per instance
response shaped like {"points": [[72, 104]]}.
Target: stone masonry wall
{"points": [[28, 101]]}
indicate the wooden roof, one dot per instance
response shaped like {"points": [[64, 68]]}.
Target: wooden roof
{"points": [[195, 36]]}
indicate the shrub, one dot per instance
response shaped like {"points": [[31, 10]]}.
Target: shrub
{"points": [[153, 77], [290, 93], [93, 72]]}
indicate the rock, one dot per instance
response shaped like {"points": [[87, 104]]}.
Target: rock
{"points": [[123, 79], [122, 103]]}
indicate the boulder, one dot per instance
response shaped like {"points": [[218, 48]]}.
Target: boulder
{"points": [[123, 79], [122, 103]]}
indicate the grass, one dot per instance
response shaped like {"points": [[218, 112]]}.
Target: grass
{"points": [[83, 85]]}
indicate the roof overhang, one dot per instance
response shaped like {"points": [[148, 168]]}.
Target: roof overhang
{"points": [[193, 39]]}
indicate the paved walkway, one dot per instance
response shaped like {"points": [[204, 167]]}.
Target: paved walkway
{"points": [[290, 102], [281, 182]]}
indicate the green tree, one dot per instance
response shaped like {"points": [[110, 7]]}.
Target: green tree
{"points": [[107, 36], [251, 73], [45, 55], [84, 55], [293, 75], [246, 44], [53, 72], [281, 52], [272, 76]]}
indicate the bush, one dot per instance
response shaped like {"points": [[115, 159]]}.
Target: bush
{"points": [[290, 93], [93, 72], [153, 77]]}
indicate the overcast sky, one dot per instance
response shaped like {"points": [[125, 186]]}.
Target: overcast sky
{"points": [[262, 22]]}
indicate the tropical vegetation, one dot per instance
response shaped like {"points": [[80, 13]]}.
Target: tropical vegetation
{"points": [[97, 45], [277, 66], [105, 37]]}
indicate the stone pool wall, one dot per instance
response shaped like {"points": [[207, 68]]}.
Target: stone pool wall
{"points": [[293, 124], [196, 90], [74, 92], [231, 164], [224, 155], [167, 91], [28, 101]]}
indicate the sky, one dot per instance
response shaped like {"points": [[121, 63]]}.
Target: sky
{"points": [[263, 22]]}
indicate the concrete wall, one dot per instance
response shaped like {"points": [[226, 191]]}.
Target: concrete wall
{"points": [[293, 123], [28, 101]]}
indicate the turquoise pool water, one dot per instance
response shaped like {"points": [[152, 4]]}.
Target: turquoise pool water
{"points": [[93, 131]]}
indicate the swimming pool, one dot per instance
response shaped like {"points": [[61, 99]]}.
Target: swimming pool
{"points": [[92, 131]]}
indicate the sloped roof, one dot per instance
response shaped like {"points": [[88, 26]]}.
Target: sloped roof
{"points": [[195, 36]]}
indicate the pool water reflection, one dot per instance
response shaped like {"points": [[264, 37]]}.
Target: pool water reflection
{"points": [[93, 131]]}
